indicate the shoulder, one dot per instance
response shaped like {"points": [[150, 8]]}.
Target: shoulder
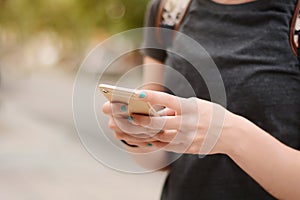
{"points": [[154, 5], [152, 12]]}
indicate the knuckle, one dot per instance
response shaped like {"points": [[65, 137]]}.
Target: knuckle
{"points": [[171, 99], [119, 136], [106, 108], [160, 137], [166, 137]]}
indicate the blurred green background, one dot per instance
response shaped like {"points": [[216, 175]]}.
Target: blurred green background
{"points": [[71, 17], [42, 45], [67, 27]]}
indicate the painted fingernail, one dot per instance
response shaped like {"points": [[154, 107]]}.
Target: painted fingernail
{"points": [[123, 108], [161, 131], [150, 145], [142, 95], [130, 119], [130, 145]]}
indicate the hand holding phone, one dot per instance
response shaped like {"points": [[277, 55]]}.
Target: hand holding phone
{"points": [[128, 96]]}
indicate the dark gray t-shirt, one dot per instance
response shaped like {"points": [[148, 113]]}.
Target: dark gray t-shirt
{"points": [[250, 45]]}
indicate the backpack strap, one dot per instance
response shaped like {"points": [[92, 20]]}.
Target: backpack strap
{"points": [[170, 15], [172, 12], [294, 41]]}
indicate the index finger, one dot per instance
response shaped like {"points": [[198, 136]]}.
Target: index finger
{"points": [[115, 109], [160, 98]]}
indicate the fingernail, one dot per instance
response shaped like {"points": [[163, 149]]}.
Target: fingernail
{"points": [[130, 145], [161, 131], [142, 95], [123, 108], [130, 119], [149, 145]]}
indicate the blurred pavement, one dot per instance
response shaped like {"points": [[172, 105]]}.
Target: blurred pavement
{"points": [[41, 156]]}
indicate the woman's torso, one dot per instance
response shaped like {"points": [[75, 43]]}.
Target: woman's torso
{"points": [[250, 45]]}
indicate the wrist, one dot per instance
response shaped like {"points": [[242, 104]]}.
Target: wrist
{"points": [[234, 133]]}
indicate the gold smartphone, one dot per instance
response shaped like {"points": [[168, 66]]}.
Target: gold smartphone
{"points": [[128, 96]]}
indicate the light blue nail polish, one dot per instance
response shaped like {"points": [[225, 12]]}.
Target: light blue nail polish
{"points": [[142, 95], [149, 145], [123, 108], [130, 119]]}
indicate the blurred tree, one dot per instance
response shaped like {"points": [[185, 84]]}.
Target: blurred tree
{"points": [[72, 25], [75, 18]]}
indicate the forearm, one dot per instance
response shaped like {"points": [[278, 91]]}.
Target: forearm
{"points": [[153, 74], [273, 165]]}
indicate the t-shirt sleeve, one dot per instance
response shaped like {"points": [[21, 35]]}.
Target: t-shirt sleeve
{"points": [[150, 45]]}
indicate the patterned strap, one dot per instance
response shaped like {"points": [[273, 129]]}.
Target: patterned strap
{"points": [[171, 14], [293, 32]]}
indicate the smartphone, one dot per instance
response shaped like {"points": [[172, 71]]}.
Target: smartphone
{"points": [[127, 96]]}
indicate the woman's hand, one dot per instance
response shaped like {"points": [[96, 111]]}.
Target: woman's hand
{"points": [[191, 125], [120, 123], [197, 126], [144, 153]]}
